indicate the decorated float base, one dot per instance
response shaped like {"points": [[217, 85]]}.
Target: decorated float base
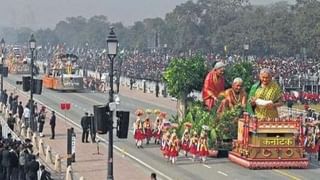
{"points": [[300, 163]]}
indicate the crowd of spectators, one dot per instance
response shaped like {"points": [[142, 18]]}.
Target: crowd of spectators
{"points": [[17, 159], [149, 64]]}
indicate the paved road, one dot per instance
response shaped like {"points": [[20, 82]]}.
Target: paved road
{"points": [[150, 155]]}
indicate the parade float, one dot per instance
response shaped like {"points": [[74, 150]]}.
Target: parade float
{"points": [[269, 143], [17, 62], [63, 73]]}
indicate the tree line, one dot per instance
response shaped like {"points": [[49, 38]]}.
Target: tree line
{"points": [[217, 26]]}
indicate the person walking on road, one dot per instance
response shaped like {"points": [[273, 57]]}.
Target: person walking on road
{"points": [[53, 124], [85, 124]]}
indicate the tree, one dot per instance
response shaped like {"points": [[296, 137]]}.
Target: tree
{"points": [[244, 71], [182, 76]]}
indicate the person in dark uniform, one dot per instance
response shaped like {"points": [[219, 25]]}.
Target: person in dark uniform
{"points": [[53, 124], [85, 124], [131, 83], [92, 129]]}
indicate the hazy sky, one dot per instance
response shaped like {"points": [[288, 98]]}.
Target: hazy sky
{"points": [[47, 13]]}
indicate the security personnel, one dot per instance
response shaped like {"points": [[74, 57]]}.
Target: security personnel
{"points": [[85, 124]]}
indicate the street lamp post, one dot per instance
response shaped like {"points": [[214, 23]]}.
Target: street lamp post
{"points": [[246, 49], [3, 45], [112, 46], [32, 45]]}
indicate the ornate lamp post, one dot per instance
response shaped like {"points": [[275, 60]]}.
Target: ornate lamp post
{"points": [[32, 46], [112, 46], [246, 49]]}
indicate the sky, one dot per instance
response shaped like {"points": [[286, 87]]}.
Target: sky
{"points": [[37, 14]]}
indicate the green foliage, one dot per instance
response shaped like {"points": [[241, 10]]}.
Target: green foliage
{"points": [[243, 70], [221, 127], [184, 75]]}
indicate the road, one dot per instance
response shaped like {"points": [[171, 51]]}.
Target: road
{"points": [[150, 156]]}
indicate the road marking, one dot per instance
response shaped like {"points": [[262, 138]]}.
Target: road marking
{"points": [[286, 174], [114, 146], [220, 172], [206, 166]]}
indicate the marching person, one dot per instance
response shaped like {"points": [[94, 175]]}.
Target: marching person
{"points": [[85, 124], [185, 140], [147, 125], [203, 147], [138, 129], [173, 147], [53, 124], [157, 128], [193, 145], [165, 143]]}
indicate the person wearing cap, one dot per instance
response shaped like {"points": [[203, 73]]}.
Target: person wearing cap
{"points": [[214, 84], [85, 124], [234, 96]]}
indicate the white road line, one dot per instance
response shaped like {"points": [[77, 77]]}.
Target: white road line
{"points": [[206, 166], [220, 172], [114, 146]]}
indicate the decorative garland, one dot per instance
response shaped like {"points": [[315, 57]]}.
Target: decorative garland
{"points": [[289, 152], [266, 153]]}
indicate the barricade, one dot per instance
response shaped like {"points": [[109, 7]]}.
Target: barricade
{"points": [[28, 133], [23, 132], [18, 126], [49, 155], [35, 141], [41, 147], [57, 163], [69, 173]]}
